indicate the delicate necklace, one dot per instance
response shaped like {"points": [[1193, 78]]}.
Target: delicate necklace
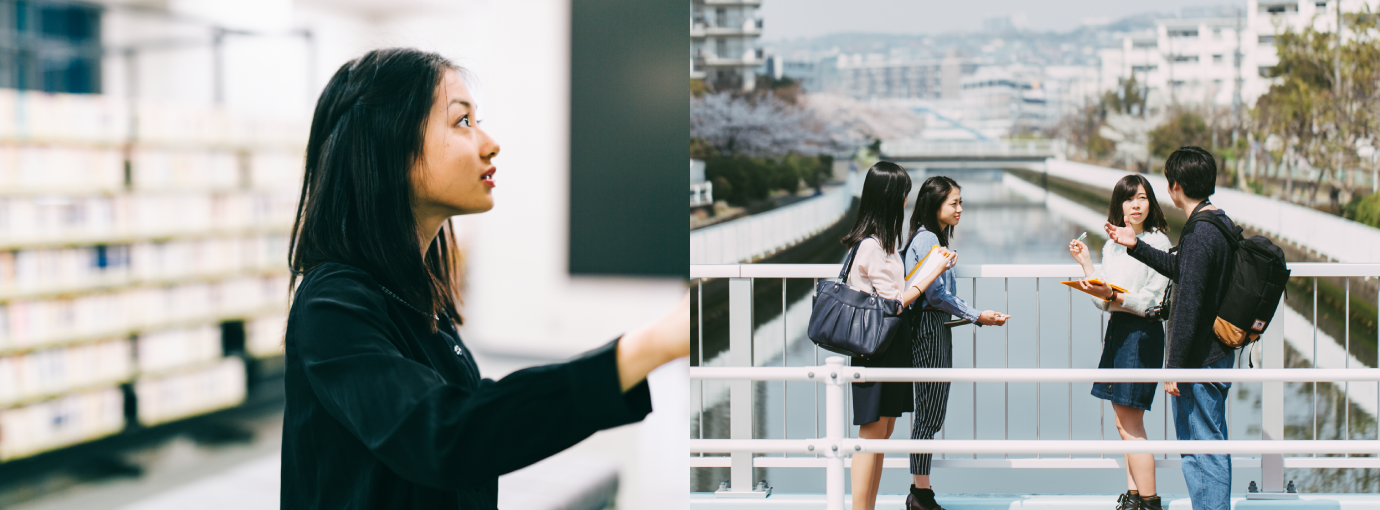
{"points": [[409, 305]]}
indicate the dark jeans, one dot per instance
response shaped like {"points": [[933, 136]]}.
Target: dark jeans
{"points": [[1200, 413]]}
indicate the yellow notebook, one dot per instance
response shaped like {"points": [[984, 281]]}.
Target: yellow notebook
{"points": [[1074, 284], [927, 262]]}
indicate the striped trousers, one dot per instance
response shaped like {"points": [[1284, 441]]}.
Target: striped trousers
{"points": [[933, 347]]}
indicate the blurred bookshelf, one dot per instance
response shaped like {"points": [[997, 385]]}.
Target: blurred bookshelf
{"points": [[143, 262]]}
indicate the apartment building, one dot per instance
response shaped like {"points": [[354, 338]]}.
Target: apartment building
{"points": [[723, 43], [1195, 60]]}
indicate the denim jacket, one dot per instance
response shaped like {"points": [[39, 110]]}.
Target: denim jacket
{"points": [[943, 293]]}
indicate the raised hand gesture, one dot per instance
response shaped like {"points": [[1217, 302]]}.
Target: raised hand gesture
{"points": [[1125, 236]]}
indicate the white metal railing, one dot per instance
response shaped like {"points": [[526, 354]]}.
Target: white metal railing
{"points": [[831, 448], [758, 235]]}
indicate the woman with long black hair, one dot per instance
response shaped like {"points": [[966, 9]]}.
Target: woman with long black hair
{"points": [[876, 268], [385, 406], [938, 208]]}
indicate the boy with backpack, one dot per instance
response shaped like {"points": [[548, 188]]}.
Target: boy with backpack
{"points": [[1225, 292]]}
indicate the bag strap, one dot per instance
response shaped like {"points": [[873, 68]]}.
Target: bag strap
{"points": [[1232, 235], [848, 263], [909, 241]]}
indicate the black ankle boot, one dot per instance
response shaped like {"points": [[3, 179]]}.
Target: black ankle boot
{"points": [[1150, 503], [1129, 501], [921, 499]]}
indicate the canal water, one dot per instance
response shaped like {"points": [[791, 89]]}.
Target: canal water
{"points": [[1008, 221]]}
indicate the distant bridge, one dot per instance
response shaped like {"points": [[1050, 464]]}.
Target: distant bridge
{"points": [[1030, 154]]}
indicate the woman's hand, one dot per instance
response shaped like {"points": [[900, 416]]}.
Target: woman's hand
{"points": [[950, 260], [1097, 289], [641, 351], [1171, 388], [991, 318], [1080, 253], [917, 285], [1125, 236]]}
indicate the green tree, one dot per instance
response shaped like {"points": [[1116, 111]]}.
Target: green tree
{"points": [[1324, 100], [1364, 210], [1183, 127]]}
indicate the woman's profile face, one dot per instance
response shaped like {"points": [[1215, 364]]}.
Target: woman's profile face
{"points": [[952, 208], [1134, 209], [455, 172]]}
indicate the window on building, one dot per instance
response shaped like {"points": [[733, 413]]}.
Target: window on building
{"points": [[1185, 58], [1266, 71], [1217, 59], [50, 46], [1141, 45], [1177, 83], [1279, 8], [1267, 39], [1184, 32], [1320, 5], [1144, 69]]}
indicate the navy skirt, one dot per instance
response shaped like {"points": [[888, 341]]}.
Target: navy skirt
{"points": [[1132, 342], [873, 400]]}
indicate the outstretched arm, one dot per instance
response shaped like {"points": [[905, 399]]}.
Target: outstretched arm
{"points": [[641, 351], [438, 434], [1163, 263]]}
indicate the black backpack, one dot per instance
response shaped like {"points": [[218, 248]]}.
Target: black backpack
{"points": [[1257, 278]]}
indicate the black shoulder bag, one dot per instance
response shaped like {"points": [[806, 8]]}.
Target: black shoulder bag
{"points": [[852, 322]]}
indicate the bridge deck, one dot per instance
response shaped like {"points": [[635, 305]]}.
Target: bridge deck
{"points": [[707, 501]]}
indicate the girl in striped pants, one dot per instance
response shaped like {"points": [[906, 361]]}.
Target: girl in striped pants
{"points": [[938, 208]]}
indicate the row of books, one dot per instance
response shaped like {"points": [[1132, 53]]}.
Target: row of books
{"points": [[158, 351], [36, 167], [55, 371], [34, 323], [171, 397], [263, 336], [60, 422], [38, 220], [89, 415], [40, 270], [30, 168], [87, 118]]}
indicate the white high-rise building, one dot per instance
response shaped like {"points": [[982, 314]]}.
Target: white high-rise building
{"points": [[723, 42], [1193, 60]]}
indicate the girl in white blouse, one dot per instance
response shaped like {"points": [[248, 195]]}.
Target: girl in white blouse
{"points": [[877, 267], [1132, 341]]}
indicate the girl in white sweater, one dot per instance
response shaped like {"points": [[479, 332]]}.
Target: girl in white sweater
{"points": [[1133, 341]]}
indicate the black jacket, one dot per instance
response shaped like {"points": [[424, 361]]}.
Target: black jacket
{"points": [[1199, 287], [382, 413]]}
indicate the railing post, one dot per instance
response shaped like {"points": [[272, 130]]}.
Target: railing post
{"points": [[740, 392], [833, 433], [1272, 411]]}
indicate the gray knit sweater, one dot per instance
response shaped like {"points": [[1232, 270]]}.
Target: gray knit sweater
{"points": [[1203, 263]]}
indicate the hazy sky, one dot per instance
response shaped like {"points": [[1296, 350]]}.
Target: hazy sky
{"points": [[788, 19]]}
